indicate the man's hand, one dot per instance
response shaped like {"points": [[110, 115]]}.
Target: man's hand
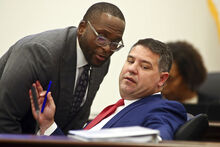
{"points": [[45, 119]]}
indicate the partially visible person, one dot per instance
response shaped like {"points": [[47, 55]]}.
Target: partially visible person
{"points": [[62, 56], [187, 73], [140, 83]]}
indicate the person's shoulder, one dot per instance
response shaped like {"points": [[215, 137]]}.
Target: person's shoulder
{"points": [[58, 30], [162, 106], [50, 38], [175, 105], [54, 32], [45, 34]]}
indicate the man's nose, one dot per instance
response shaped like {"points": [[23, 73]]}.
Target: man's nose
{"points": [[133, 68], [107, 48]]}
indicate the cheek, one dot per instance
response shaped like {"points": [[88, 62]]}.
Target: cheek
{"points": [[146, 83], [172, 87], [87, 41], [168, 85], [123, 70], [153, 78], [176, 83], [87, 45], [121, 75]]}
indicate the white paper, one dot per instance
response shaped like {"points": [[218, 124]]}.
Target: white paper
{"points": [[122, 134]]}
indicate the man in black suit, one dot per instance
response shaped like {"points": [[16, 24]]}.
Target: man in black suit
{"points": [[58, 56]]}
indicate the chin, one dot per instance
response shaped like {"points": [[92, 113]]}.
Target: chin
{"points": [[126, 91], [96, 64]]}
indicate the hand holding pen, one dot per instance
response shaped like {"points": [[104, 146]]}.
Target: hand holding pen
{"points": [[42, 100]]}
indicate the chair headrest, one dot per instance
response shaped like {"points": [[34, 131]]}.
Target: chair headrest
{"points": [[193, 129]]}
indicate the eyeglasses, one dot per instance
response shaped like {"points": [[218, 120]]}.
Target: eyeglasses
{"points": [[102, 41]]}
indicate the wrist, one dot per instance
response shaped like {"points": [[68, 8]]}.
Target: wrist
{"points": [[43, 128]]}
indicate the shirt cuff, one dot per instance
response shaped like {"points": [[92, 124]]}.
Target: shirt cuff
{"points": [[49, 130], [159, 138]]}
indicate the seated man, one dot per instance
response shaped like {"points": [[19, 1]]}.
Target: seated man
{"points": [[141, 80]]}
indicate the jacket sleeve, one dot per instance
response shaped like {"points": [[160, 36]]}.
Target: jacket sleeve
{"points": [[167, 119], [26, 64], [58, 132]]}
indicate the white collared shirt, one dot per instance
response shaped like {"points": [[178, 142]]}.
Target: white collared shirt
{"points": [[104, 121], [81, 62]]}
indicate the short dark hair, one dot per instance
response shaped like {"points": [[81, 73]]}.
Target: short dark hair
{"points": [[161, 49], [189, 63], [103, 7]]}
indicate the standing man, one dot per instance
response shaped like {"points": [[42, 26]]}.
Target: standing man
{"points": [[140, 84], [59, 56]]}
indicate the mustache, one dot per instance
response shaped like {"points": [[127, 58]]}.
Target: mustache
{"points": [[129, 77], [103, 55], [101, 52]]}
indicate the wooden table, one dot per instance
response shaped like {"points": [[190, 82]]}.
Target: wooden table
{"points": [[52, 141], [210, 139]]}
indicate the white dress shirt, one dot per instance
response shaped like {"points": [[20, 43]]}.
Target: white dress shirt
{"points": [[104, 121]]}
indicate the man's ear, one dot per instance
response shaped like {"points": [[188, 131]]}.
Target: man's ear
{"points": [[163, 77], [81, 27]]}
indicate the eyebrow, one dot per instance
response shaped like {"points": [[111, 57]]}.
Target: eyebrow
{"points": [[107, 34], [142, 61]]}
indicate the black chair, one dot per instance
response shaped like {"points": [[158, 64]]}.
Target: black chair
{"points": [[193, 129], [209, 91], [212, 110]]}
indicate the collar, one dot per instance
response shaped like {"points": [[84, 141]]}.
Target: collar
{"points": [[157, 93], [128, 102], [81, 60], [193, 100]]}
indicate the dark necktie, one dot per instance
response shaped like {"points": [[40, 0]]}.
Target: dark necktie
{"points": [[104, 114], [80, 90]]}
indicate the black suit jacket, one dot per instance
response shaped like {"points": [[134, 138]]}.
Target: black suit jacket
{"points": [[45, 56]]}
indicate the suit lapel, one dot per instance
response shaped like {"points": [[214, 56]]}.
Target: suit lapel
{"points": [[67, 79], [120, 115], [127, 109]]}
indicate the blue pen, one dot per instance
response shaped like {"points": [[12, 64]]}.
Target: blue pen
{"points": [[45, 98]]}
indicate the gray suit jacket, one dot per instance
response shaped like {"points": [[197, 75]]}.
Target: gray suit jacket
{"points": [[46, 56]]}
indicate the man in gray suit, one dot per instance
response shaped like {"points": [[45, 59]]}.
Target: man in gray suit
{"points": [[58, 56]]}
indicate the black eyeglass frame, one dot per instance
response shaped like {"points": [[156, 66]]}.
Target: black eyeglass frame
{"points": [[103, 41]]}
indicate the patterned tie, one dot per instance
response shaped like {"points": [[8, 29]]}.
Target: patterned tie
{"points": [[80, 90], [104, 114]]}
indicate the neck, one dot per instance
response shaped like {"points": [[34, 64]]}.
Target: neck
{"points": [[188, 94]]}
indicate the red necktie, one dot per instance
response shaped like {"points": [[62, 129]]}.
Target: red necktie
{"points": [[105, 113]]}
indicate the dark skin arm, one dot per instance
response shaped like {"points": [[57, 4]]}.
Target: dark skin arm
{"points": [[45, 119]]}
